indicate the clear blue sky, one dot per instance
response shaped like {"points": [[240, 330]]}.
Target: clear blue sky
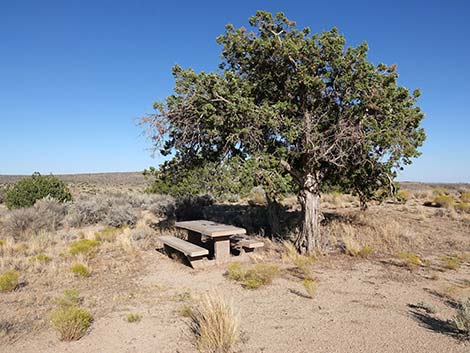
{"points": [[75, 75]]}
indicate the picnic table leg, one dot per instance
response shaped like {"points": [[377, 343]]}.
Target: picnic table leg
{"points": [[222, 249]]}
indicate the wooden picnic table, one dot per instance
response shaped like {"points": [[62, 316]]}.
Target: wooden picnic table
{"points": [[219, 233]]}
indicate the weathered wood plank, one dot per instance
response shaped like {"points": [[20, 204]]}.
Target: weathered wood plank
{"points": [[211, 229], [187, 248]]}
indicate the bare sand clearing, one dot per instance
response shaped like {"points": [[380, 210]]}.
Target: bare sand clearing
{"points": [[360, 306]]}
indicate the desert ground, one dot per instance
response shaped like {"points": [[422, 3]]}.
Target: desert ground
{"points": [[390, 279]]}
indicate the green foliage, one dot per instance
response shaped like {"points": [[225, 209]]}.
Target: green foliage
{"points": [[30, 189], [80, 270], [83, 246], [8, 281], [303, 108]]}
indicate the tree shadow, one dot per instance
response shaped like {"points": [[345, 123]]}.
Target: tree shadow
{"points": [[451, 303], [435, 324]]}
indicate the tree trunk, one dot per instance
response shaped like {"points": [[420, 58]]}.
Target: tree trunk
{"points": [[273, 213], [309, 238]]}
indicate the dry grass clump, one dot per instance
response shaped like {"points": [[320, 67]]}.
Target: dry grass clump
{"points": [[463, 207], [451, 262], [108, 234], [83, 246], [361, 234], [8, 281], [353, 248], [80, 270], [465, 197], [43, 258], [445, 201], [252, 277], [133, 317], [69, 320], [411, 260], [462, 319], [403, 195], [310, 286], [215, 325], [303, 263], [257, 196]]}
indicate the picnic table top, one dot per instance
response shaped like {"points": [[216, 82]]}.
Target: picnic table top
{"points": [[211, 229]]}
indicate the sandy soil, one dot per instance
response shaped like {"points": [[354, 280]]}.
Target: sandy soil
{"points": [[360, 306]]}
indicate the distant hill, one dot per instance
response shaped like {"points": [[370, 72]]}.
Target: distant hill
{"points": [[118, 178]]}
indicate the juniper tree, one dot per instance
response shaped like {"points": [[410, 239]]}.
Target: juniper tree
{"points": [[302, 104]]}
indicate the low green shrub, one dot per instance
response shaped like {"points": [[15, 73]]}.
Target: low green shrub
{"points": [[132, 317], [8, 281], [71, 322], [41, 258], [252, 277], [30, 189], [80, 270], [83, 246]]}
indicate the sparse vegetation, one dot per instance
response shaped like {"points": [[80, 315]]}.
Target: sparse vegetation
{"points": [[465, 197], [451, 262], [83, 246], [8, 281], [80, 270], [310, 286], [429, 308], [252, 277], [41, 258], [71, 322], [462, 319], [403, 195], [445, 201], [215, 325], [133, 317], [410, 259]]}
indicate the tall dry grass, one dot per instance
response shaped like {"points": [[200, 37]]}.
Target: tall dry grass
{"points": [[215, 324]]}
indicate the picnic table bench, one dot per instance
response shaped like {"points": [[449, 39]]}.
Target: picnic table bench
{"points": [[222, 236]]}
